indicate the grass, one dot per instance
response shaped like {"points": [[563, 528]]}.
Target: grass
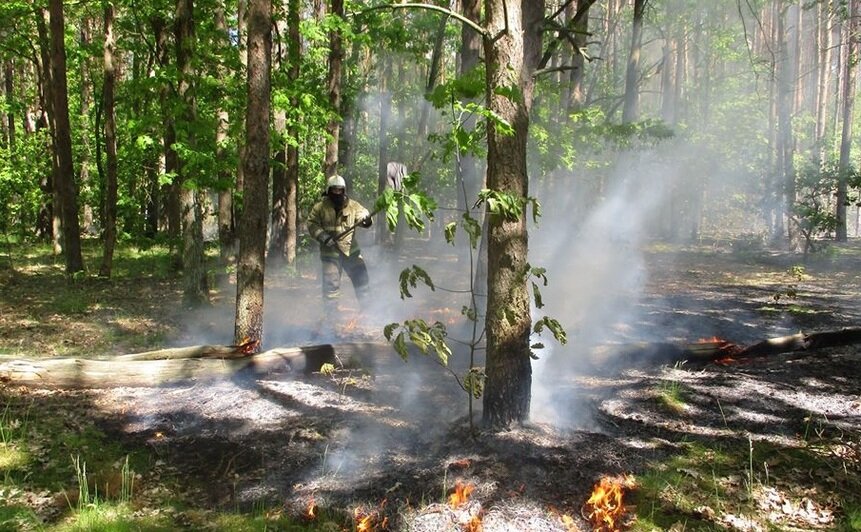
{"points": [[707, 480]]}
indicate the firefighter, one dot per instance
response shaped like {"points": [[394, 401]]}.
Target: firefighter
{"points": [[332, 223]]}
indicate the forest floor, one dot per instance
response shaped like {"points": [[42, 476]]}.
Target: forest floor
{"points": [[378, 444]]}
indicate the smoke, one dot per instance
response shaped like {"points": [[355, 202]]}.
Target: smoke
{"points": [[597, 272]]}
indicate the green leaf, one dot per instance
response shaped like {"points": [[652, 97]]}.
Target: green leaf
{"points": [[449, 231]]}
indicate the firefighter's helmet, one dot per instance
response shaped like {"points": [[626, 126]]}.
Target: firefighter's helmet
{"points": [[335, 181]]}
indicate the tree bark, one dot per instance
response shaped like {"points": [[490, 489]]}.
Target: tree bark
{"points": [[50, 210], [291, 231], [65, 185], [333, 88], [512, 51], [226, 235], [630, 111], [8, 86], [110, 214], [252, 231], [848, 98], [195, 286]]}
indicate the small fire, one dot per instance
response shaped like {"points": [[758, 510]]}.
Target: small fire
{"points": [[248, 346], [364, 522], [474, 524], [460, 495], [726, 349], [311, 513], [568, 522], [605, 505]]}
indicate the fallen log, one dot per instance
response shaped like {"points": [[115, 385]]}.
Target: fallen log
{"points": [[800, 342], [165, 366], [643, 354]]}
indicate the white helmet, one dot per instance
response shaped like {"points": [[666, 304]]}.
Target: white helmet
{"points": [[336, 181]]}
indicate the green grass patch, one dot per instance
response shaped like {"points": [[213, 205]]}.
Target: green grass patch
{"points": [[707, 480]]}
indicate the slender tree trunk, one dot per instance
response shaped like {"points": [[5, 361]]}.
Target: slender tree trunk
{"points": [[382, 235], [576, 95], [65, 184], [110, 214], [252, 236], [292, 155], [848, 97], [824, 79], [8, 84], [785, 143], [86, 100], [51, 209], [512, 52], [195, 285], [333, 88], [226, 234], [630, 111]]}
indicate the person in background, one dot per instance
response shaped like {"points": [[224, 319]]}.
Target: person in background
{"points": [[332, 223]]}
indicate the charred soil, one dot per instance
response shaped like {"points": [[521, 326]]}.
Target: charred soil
{"points": [[390, 441]]}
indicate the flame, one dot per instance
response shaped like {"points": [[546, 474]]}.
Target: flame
{"points": [[474, 524], [364, 522], [311, 513], [460, 495], [248, 346], [605, 505], [568, 523]]}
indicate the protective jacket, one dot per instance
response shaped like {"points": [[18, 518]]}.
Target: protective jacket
{"points": [[326, 221]]}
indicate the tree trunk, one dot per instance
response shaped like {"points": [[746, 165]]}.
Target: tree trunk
{"points": [[848, 98], [195, 287], [333, 88], [252, 230], [50, 211], [226, 234], [8, 85], [576, 96], [65, 184], [292, 156], [383, 236], [630, 111], [110, 214], [512, 52]]}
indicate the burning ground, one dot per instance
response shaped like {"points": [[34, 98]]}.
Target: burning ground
{"points": [[380, 444]]}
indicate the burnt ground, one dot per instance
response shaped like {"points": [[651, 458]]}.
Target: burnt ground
{"points": [[391, 439]]}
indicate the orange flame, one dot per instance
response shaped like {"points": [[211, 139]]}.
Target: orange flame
{"points": [[605, 505], [460, 495], [364, 522], [474, 525], [311, 513], [568, 523], [248, 346]]}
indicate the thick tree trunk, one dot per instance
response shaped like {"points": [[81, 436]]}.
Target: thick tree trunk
{"points": [[333, 88], [110, 214], [65, 185], [252, 232], [512, 52], [576, 96]]}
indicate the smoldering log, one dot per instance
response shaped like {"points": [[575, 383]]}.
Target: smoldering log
{"points": [[643, 354]]}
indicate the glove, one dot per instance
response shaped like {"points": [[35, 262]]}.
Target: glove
{"points": [[366, 221], [330, 242]]}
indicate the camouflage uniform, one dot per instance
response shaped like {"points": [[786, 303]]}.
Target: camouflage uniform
{"points": [[326, 221]]}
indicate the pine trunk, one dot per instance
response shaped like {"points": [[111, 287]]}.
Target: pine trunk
{"points": [[110, 213], [512, 53], [252, 229]]}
